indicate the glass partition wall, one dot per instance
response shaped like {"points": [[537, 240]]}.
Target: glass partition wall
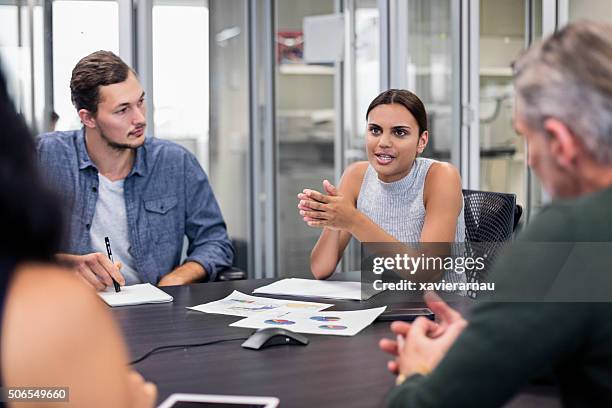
{"points": [[363, 81], [506, 28], [422, 53], [79, 28], [305, 123], [263, 121], [229, 140], [181, 79], [21, 58], [591, 9], [503, 32]]}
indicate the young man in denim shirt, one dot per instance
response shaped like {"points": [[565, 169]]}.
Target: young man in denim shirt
{"points": [[144, 193]]}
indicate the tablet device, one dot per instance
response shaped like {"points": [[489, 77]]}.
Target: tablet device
{"points": [[217, 401], [405, 314]]}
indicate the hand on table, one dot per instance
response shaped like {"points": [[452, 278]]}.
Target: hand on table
{"points": [[332, 210], [187, 273], [420, 346], [173, 279]]}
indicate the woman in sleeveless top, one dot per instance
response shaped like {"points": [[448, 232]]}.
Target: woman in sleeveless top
{"points": [[54, 331], [394, 196]]}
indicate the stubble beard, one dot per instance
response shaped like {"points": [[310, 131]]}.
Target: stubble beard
{"points": [[118, 146]]}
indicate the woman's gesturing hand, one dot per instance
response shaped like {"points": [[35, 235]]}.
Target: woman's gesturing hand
{"points": [[332, 210]]}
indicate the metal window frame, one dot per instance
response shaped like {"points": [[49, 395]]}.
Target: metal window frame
{"points": [[561, 13], [529, 38], [256, 236], [126, 29], [549, 24], [345, 97], [393, 17], [270, 142], [385, 46], [554, 15], [143, 54], [32, 107], [25, 38], [550, 16], [456, 81], [48, 58], [398, 42], [127, 44], [263, 153], [470, 90], [340, 144]]}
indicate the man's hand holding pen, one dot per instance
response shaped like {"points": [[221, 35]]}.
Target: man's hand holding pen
{"points": [[95, 268]]}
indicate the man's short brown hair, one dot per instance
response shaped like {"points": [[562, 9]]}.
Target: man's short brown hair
{"points": [[98, 69]]}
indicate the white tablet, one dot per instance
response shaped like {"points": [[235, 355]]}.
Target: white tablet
{"points": [[217, 401]]}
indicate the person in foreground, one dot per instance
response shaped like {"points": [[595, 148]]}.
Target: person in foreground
{"points": [[145, 194], [54, 330], [394, 196], [564, 112]]}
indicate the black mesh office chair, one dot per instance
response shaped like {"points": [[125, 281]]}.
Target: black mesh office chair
{"points": [[490, 220]]}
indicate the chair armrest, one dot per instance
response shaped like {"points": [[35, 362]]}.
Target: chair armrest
{"points": [[518, 211], [231, 274]]}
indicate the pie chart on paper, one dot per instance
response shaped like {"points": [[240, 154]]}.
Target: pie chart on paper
{"points": [[332, 327], [325, 318], [281, 322]]}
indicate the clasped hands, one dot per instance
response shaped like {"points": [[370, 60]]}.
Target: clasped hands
{"points": [[332, 210], [420, 346]]}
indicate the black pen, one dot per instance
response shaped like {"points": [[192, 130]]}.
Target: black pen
{"points": [[110, 256]]}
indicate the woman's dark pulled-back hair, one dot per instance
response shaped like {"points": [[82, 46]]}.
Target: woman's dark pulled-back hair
{"points": [[405, 98], [30, 215], [98, 69]]}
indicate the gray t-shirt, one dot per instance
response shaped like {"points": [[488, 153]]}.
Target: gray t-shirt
{"points": [[110, 220]]}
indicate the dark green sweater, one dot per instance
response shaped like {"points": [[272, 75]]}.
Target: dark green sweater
{"points": [[508, 342]]}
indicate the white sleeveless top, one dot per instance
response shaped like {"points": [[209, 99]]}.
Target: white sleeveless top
{"points": [[398, 208]]}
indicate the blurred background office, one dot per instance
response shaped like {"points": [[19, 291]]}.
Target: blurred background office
{"points": [[270, 94]]}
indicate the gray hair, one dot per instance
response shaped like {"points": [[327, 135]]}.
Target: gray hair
{"points": [[568, 76]]}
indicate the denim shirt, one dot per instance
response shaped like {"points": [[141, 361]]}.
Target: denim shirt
{"points": [[167, 196]]}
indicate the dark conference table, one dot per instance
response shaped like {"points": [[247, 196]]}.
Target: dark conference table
{"points": [[332, 371]]}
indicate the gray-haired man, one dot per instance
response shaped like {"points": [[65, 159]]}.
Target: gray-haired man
{"points": [[564, 112]]}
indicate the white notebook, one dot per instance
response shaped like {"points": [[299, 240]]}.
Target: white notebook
{"points": [[135, 295]]}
